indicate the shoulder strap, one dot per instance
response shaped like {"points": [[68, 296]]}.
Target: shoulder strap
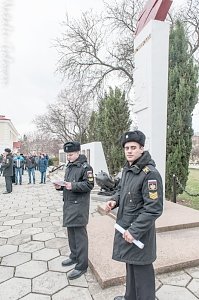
{"points": [[146, 170]]}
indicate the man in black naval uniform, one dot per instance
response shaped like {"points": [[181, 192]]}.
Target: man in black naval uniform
{"points": [[139, 199], [79, 182], [7, 166]]}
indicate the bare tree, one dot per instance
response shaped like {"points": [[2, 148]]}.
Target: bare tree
{"points": [[188, 13], [98, 48], [34, 142], [67, 119]]}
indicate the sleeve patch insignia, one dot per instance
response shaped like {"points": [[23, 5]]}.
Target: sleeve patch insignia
{"points": [[152, 185], [153, 195], [90, 175]]}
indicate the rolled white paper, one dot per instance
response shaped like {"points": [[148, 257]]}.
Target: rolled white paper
{"points": [[136, 242]]}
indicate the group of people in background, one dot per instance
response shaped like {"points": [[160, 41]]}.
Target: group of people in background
{"points": [[12, 166]]}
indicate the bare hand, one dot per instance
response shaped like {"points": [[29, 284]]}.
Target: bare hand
{"points": [[128, 237], [110, 205], [57, 187], [68, 185]]}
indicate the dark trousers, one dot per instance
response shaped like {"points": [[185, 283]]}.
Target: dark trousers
{"points": [[43, 177], [78, 243], [8, 180], [140, 282]]}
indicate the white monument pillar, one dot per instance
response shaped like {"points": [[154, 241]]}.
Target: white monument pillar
{"points": [[151, 88]]}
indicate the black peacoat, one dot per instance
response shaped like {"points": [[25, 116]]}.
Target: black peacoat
{"points": [[7, 165], [77, 200], [140, 201]]}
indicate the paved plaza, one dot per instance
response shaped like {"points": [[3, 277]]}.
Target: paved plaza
{"points": [[33, 244]]}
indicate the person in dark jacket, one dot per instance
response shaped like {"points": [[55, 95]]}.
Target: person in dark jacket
{"points": [[79, 182], [42, 168], [30, 164], [7, 165], [139, 199]]}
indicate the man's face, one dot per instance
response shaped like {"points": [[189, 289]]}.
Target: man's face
{"points": [[133, 151], [72, 156]]}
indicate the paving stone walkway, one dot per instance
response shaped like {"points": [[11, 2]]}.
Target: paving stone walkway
{"points": [[33, 244]]}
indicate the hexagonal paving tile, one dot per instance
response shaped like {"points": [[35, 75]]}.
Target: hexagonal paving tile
{"points": [[31, 246], [49, 283], [19, 239], [15, 288], [23, 216], [42, 224], [13, 222], [81, 282], [33, 296], [56, 214], [56, 243], [65, 250], [60, 234], [16, 259], [7, 218], [9, 233], [6, 273], [50, 219], [32, 231], [7, 249], [44, 236], [179, 278], [45, 254], [174, 293], [194, 272], [71, 293], [194, 287], [23, 226], [52, 229], [55, 265], [2, 241], [3, 227], [15, 214], [32, 220], [31, 269]]}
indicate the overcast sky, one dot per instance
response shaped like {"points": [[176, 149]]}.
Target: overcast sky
{"points": [[32, 80]]}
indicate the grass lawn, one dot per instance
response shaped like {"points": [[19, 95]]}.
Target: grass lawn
{"points": [[193, 188]]}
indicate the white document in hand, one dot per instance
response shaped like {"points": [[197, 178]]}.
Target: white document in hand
{"points": [[122, 230], [58, 182]]}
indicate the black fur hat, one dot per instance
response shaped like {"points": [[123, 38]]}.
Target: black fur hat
{"points": [[7, 150], [133, 136], [71, 147]]}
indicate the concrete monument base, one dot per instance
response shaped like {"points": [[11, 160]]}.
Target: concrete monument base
{"points": [[177, 243]]}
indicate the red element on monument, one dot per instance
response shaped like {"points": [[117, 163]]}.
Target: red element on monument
{"points": [[153, 10]]}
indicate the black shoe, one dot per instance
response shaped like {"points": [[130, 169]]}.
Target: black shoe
{"points": [[76, 274], [7, 192], [29, 182], [15, 183], [40, 182], [119, 298], [68, 262]]}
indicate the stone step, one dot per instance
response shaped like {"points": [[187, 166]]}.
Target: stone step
{"points": [[174, 216], [175, 250]]}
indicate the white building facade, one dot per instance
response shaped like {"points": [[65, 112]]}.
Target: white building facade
{"points": [[8, 134]]}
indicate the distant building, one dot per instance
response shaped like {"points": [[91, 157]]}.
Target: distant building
{"points": [[195, 140], [8, 135]]}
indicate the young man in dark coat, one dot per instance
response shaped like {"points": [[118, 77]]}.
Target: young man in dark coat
{"points": [[79, 182], [7, 165], [140, 202]]}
